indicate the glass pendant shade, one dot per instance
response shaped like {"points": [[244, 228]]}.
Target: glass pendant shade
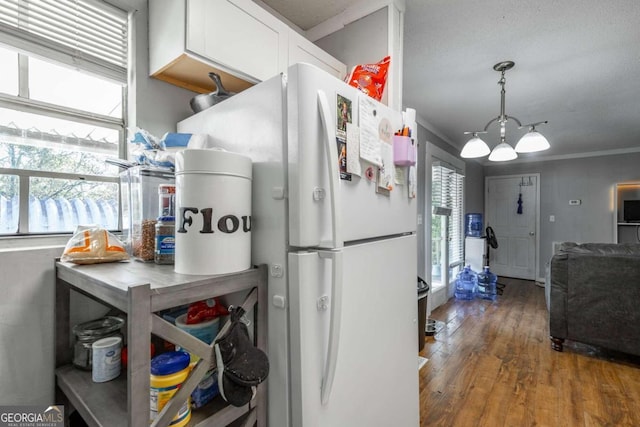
{"points": [[531, 142], [475, 147], [503, 152]]}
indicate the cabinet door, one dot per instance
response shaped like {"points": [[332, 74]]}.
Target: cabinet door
{"points": [[303, 50], [239, 35]]}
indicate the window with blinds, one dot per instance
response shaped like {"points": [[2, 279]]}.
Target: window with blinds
{"points": [[89, 34], [447, 198], [62, 114]]}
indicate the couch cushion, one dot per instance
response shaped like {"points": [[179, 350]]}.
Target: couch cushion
{"points": [[601, 248]]}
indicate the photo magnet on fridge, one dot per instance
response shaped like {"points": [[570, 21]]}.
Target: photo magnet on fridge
{"points": [[343, 113], [342, 158]]}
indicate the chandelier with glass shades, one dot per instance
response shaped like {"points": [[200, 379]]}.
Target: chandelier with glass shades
{"points": [[532, 141]]}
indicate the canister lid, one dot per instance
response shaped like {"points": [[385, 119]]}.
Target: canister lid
{"points": [[107, 342], [169, 362], [98, 328], [213, 162]]}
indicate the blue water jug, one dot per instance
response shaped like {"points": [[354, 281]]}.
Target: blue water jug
{"points": [[466, 284], [473, 225], [487, 283]]}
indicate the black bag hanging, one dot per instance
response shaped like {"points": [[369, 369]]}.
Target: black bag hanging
{"points": [[241, 366]]}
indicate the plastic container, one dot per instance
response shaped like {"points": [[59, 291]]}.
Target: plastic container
{"points": [[204, 331], [404, 151], [106, 359], [168, 372], [487, 284], [466, 284], [213, 212], [89, 332], [473, 225], [165, 240], [140, 208]]}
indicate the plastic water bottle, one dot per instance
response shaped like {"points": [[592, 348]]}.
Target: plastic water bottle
{"points": [[473, 223], [466, 284], [487, 282]]}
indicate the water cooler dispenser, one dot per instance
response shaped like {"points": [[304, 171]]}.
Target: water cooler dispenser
{"points": [[475, 245]]}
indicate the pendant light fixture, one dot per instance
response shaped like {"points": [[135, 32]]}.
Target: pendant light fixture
{"points": [[531, 142]]}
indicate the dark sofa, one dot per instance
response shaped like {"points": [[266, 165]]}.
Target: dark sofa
{"points": [[594, 296]]}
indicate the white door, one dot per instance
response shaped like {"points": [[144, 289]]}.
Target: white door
{"points": [[512, 211], [324, 209], [362, 371]]}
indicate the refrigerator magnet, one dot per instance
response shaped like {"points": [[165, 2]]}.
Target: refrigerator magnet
{"points": [[344, 113], [342, 159]]}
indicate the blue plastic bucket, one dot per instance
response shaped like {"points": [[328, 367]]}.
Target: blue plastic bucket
{"points": [[473, 226]]}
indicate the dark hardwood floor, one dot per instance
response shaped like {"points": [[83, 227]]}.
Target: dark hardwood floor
{"points": [[491, 364]]}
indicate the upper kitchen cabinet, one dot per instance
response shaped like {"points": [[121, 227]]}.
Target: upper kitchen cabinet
{"points": [[302, 50], [238, 39]]}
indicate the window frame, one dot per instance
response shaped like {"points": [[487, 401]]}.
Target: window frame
{"points": [[23, 103]]}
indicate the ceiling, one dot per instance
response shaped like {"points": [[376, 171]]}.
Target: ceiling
{"points": [[577, 66]]}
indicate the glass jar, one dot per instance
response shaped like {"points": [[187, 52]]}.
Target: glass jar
{"points": [[89, 332], [165, 240]]}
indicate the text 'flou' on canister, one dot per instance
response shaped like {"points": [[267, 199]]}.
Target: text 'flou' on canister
{"points": [[213, 212]]}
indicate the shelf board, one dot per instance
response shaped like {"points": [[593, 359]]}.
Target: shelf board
{"points": [[636, 224], [105, 404], [111, 283], [99, 404]]}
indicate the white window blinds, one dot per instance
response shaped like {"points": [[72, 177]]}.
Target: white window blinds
{"points": [[447, 198], [89, 34]]}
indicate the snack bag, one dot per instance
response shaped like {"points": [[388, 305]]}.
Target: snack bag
{"points": [[370, 78], [93, 245], [208, 309]]}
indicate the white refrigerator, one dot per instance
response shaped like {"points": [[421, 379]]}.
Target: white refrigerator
{"points": [[342, 254]]}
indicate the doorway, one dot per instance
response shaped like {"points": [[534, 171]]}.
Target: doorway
{"points": [[512, 208]]}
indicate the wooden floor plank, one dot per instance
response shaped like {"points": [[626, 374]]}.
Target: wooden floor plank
{"points": [[492, 365]]}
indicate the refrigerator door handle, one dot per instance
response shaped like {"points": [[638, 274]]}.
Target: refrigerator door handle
{"points": [[334, 323], [332, 164]]}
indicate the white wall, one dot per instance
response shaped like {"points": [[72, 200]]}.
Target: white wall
{"points": [[591, 180], [27, 278], [26, 326]]}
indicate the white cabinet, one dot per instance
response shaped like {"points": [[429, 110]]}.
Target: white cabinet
{"points": [[302, 50], [238, 39], [239, 35]]}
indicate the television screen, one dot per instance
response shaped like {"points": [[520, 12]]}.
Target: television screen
{"points": [[631, 211]]}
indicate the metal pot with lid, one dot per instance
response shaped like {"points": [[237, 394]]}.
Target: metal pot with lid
{"points": [[206, 100], [89, 332]]}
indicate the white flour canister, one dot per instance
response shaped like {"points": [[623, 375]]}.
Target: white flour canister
{"points": [[213, 212]]}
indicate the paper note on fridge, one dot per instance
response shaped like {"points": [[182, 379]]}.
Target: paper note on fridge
{"points": [[387, 169], [353, 150], [369, 136]]}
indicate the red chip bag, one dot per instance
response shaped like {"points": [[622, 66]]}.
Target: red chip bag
{"points": [[202, 311], [370, 78]]}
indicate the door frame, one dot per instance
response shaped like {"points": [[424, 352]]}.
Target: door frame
{"points": [[536, 261], [432, 151]]}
